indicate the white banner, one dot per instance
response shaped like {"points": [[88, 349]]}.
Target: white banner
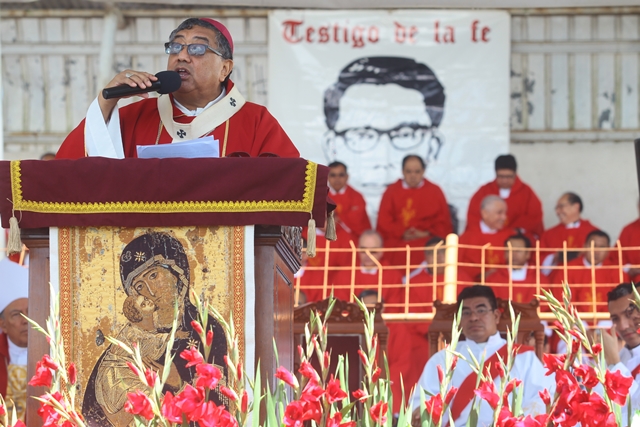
{"points": [[368, 88]]}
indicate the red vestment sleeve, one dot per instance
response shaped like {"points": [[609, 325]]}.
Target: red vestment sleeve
{"points": [[73, 145], [473, 213]]}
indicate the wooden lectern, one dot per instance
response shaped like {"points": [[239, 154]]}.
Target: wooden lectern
{"points": [[277, 248]]}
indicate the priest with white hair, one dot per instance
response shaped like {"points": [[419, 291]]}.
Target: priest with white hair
{"points": [[14, 285]]}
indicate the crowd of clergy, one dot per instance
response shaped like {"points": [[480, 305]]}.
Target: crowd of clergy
{"points": [[504, 226]]}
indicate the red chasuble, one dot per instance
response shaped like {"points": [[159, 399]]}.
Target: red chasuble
{"points": [[251, 130], [524, 209], [424, 208], [493, 255], [579, 278], [575, 237], [408, 343], [351, 210], [523, 290], [630, 238], [364, 281]]}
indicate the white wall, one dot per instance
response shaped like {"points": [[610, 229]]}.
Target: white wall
{"points": [[603, 174]]}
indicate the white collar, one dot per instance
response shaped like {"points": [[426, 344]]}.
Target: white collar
{"points": [[340, 192], [504, 193], [371, 270], [519, 274], [573, 225], [493, 339], [197, 111], [17, 355], [406, 186], [635, 351], [486, 229]]}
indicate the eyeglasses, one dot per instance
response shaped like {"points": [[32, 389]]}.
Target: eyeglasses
{"points": [[403, 137], [629, 313], [480, 312], [337, 175], [195, 49]]}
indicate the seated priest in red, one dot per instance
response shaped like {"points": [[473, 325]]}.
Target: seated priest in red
{"points": [[309, 280], [491, 231], [351, 208], [523, 276], [366, 274], [479, 322], [412, 210], [524, 210], [630, 238], [206, 104], [408, 343], [572, 228], [14, 280], [589, 269]]}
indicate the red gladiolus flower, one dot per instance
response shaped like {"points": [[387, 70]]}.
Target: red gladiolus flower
{"points": [[50, 363], [287, 377], [139, 404], [363, 357], [308, 371], [150, 376], [192, 356], [359, 394], [133, 368], [326, 359], [595, 412], [537, 421], [239, 370], [440, 373], [244, 402], [500, 368], [189, 400], [334, 392], [487, 391], [617, 386], [588, 375], [511, 385], [434, 407], [312, 411], [209, 338], [19, 423], [454, 362], [506, 418], [337, 419], [49, 415], [169, 410], [300, 352], [72, 373], [597, 348], [375, 376], [3, 410], [43, 376], [553, 363], [544, 395], [575, 346], [208, 376], [293, 414], [196, 327], [232, 395], [450, 395], [312, 392], [378, 412]]}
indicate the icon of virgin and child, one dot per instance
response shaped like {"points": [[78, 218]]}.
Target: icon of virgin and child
{"points": [[155, 274]]}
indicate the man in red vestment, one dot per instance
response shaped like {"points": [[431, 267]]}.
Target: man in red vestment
{"points": [[591, 269], [493, 211], [367, 275], [206, 104], [572, 228], [630, 238], [412, 210], [408, 343], [523, 276], [13, 339], [351, 209], [524, 210]]}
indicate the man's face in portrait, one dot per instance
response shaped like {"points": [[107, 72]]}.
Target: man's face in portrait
{"points": [[378, 126], [158, 285]]}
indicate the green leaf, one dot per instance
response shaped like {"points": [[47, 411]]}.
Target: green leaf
{"points": [[257, 397]]}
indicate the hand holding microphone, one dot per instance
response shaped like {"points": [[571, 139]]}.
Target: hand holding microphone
{"points": [[130, 83]]}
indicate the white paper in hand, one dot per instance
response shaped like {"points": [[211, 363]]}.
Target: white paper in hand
{"points": [[193, 149]]}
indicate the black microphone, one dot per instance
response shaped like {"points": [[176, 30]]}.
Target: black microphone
{"points": [[168, 81]]}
